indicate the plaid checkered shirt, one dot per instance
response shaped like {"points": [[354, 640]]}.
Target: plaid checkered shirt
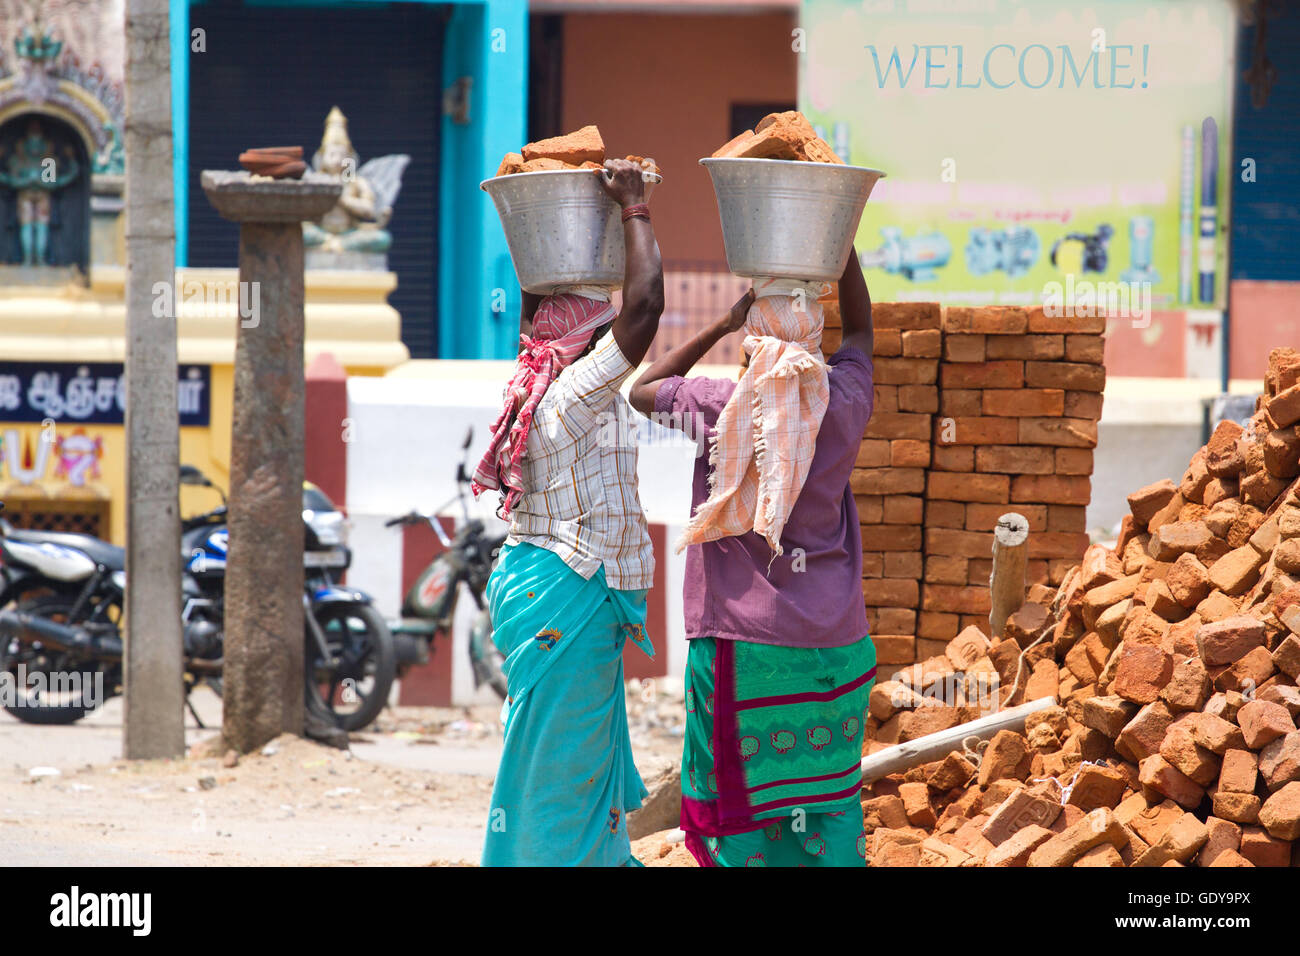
{"points": [[580, 471]]}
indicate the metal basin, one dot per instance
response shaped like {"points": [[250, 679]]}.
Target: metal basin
{"points": [[789, 219], [561, 227]]}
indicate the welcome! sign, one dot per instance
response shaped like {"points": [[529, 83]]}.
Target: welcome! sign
{"points": [[1047, 153]]}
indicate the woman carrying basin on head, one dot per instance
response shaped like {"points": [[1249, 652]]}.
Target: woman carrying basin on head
{"points": [[780, 665], [570, 587]]}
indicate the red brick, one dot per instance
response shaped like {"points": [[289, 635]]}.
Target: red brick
{"points": [[1085, 348], [891, 592], [1263, 849], [945, 514], [909, 453], [966, 544], [1072, 518], [1014, 459], [1083, 405], [906, 315], [1284, 407], [950, 598], [945, 569], [1161, 776], [968, 487], [1023, 402], [983, 375], [1054, 489], [891, 537], [979, 430], [1226, 641], [898, 425], [989, 319], [903, 564], [894, 648], [922, 343], [918, 398], [888, 343], [1074, 461], [1263, 722], [960, 402], [905, 371], [1069, 432], [1072, 375], [963, 348], [1040, 322], [887, 481], [1036, 347], [953, 458]]}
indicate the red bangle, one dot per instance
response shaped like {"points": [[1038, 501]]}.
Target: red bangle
{"points": [[640, 209]]}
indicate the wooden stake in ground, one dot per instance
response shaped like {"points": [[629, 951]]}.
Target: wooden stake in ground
{"points": [[1007, 582], [154, 724]]}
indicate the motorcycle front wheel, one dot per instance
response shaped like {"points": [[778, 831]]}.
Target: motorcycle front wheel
{"points": [[48, 687], [350, 690]]}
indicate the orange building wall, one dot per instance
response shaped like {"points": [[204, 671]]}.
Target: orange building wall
{"points": [[662, 86]]}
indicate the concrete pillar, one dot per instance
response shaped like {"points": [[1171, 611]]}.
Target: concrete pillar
{"points": [[263, 669], [154, 718]]}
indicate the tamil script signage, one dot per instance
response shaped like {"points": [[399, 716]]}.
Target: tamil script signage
{"points": [[89, 392]]}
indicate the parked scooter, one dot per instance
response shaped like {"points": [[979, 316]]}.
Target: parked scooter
{"points": [[63, 597], [430, 606]]}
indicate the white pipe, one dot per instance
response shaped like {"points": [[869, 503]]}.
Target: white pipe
{"points": [[932, 746], [941, 743]]}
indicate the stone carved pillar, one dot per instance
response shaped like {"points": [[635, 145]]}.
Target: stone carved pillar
{"points": [[263, 669]]}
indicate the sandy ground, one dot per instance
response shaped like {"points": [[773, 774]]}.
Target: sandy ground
{"points": [[414, 790]]}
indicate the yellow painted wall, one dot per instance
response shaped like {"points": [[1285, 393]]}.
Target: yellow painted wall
{"points": [[347, 314]]}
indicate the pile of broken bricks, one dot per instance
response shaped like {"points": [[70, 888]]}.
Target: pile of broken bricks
{"points": [[1173, 657]]}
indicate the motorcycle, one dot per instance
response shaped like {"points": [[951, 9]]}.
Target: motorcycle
{"points": [[429, 608], [67, 593]]}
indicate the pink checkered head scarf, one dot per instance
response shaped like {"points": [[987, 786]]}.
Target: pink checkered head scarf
{"points": [[562, 327], [764, 441]]}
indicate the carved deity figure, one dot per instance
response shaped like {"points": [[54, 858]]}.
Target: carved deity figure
{"points": [[356, 223], [35, 174]]}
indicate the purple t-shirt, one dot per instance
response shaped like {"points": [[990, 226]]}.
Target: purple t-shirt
{"points": [[812, 595]]}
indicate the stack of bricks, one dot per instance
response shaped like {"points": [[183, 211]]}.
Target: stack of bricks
{"points": [[978, 412], [890, 478], [1020, 395]]}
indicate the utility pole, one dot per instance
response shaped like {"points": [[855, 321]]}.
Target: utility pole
{"points": [[155, 720]]}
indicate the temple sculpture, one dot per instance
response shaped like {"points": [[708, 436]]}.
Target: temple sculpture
{"points": [[352, 235], [35, 173]]}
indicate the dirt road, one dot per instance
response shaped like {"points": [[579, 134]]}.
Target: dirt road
{"points": [[414, 789]]}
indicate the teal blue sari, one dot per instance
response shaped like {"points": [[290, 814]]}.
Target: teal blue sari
{"points": [[567, 779]]}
